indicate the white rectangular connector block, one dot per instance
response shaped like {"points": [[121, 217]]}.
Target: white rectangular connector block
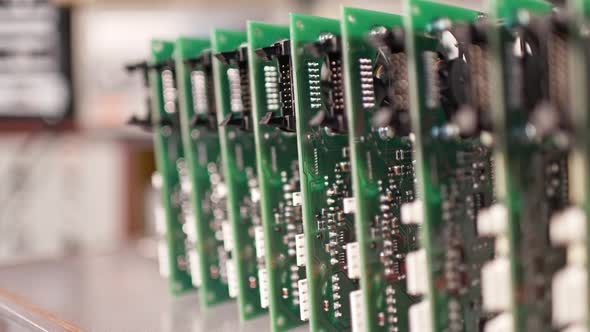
{"points": [[303, 299], [263, 280], [189, 227], [412, 213], [194, 262], [157, 180], [353, 260], [492, 221], [163, 259], [259, 241], [568, 226], [232, 278], [420, 318], [417, 273], [300, 253], [496, 285], [255, 195], [297, 199], [356, 311], [160, 219], [569, 293], [348, 205], [185, 185], [228, 239], [501, 323], [576, 328]]}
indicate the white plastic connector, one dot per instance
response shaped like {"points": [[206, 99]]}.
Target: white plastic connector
{"points": [[221, 189], [501, 323], [417, 273], [568, 226], [303, 299], [228, 239], [492, 221], [353, 260], [297, 199], [300, 254], [348, 205], [259, 241], [412, 213], [160, 219], [569, 294], [194, 262], [185, 185], [232, 278], [419, 317], [496, 286], [157, 180], [255, 195], [576, 328], [263, 281], [163, 259], [356, 311], [189, 227]]}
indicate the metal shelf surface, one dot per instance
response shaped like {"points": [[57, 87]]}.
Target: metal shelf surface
{"points": [[121, 291]]}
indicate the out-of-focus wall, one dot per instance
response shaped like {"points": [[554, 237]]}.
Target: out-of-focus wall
{"points": [[59, 193], [108, 37]]}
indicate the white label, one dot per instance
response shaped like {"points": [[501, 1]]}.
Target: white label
{"points": [[195, 266], [303, 299], [259, 241], [232, 278], [356, 311], [353, 260], [228, 239], [300, 249], [263, 280], [163, 259]]}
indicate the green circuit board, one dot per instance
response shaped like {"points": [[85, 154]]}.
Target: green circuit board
{"points": [[580, 92], [169, 164], [377, 102], [533, 155], [234, 115], [278, 169], [454, 168], [204, 178], [324, 161]]}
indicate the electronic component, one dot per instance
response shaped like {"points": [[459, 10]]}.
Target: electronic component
{"points": [[238, 151], [324, 161], [377, 95], [278, 168], [170, 165], [203, 180], [454, 166], [531, 136]]}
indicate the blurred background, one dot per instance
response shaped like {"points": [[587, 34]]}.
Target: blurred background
{"points": [[74, 178]]}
